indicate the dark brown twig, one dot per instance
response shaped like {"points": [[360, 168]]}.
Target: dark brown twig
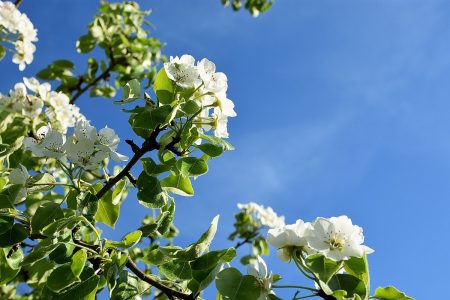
{"points": [[103, 75], [166, 290], [149, 144]]}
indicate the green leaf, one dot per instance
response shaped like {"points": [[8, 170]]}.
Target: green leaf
{"points": [[9, 267], [88, 206], [9, 195], [86, 43], [85, 290], [61, 277], [78, 262], [205, 268], [349, 283], [191, 107], [358, 266], [128, 241], [59, 225], [210, 149], [107, 212], [92, 68], [16, 234], [217, 141], [6, 223], [105, 90], [144, 122], [390, 293], [166, 219], [40, 183], [178, 184], [150, 194], [164, 87], [42, 250], [192, 166], [323, 267], [176, 270], [201, 245], [130, 92], [128, 286], [232, 285], [2, 52], [46, 215]]}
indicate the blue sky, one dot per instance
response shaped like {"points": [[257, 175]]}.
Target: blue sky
{"points": [[342, 109]]}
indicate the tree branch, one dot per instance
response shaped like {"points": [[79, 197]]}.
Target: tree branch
{"points": [[149, 144], [171, 293], [166, 290], [104, 75], [18, 2]]}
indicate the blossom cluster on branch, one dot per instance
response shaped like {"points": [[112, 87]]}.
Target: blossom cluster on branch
{"points": [[17, 29], [33, 99], [336, 238]]}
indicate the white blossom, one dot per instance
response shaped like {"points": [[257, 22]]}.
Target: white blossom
{"points": [[287, 237], [265, 216], [337, 238], [213, 82], [61, 111], [18, 24], [182, 71], [49, 143], [82, 153], [108, 138], [259, 270], [226, 105], [35, 86], [220, 123], [88, 149]]}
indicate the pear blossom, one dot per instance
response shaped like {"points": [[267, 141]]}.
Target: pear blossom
{"points": [[265, 216], [337, 238], [82, 153], [108, 138], [289, 237], [49, 143], [88, 149], [35, 86], [226, 105], [220, 123], [213, 82], [19, 26], [182, 71], [259, 271], [60, 110], [18, 101]]}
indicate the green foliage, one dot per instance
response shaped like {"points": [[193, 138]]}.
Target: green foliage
{"points": [[390, 293], [123, 35], [255, 7], [232, 285]]}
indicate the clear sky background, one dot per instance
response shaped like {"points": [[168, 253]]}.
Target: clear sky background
{"points": [[343, 108]]}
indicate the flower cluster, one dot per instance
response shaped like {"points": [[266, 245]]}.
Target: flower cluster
{"points": [[336, 238], [60, 113], [86, 147], [16, 25], [210, 91], [264, 216]]}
